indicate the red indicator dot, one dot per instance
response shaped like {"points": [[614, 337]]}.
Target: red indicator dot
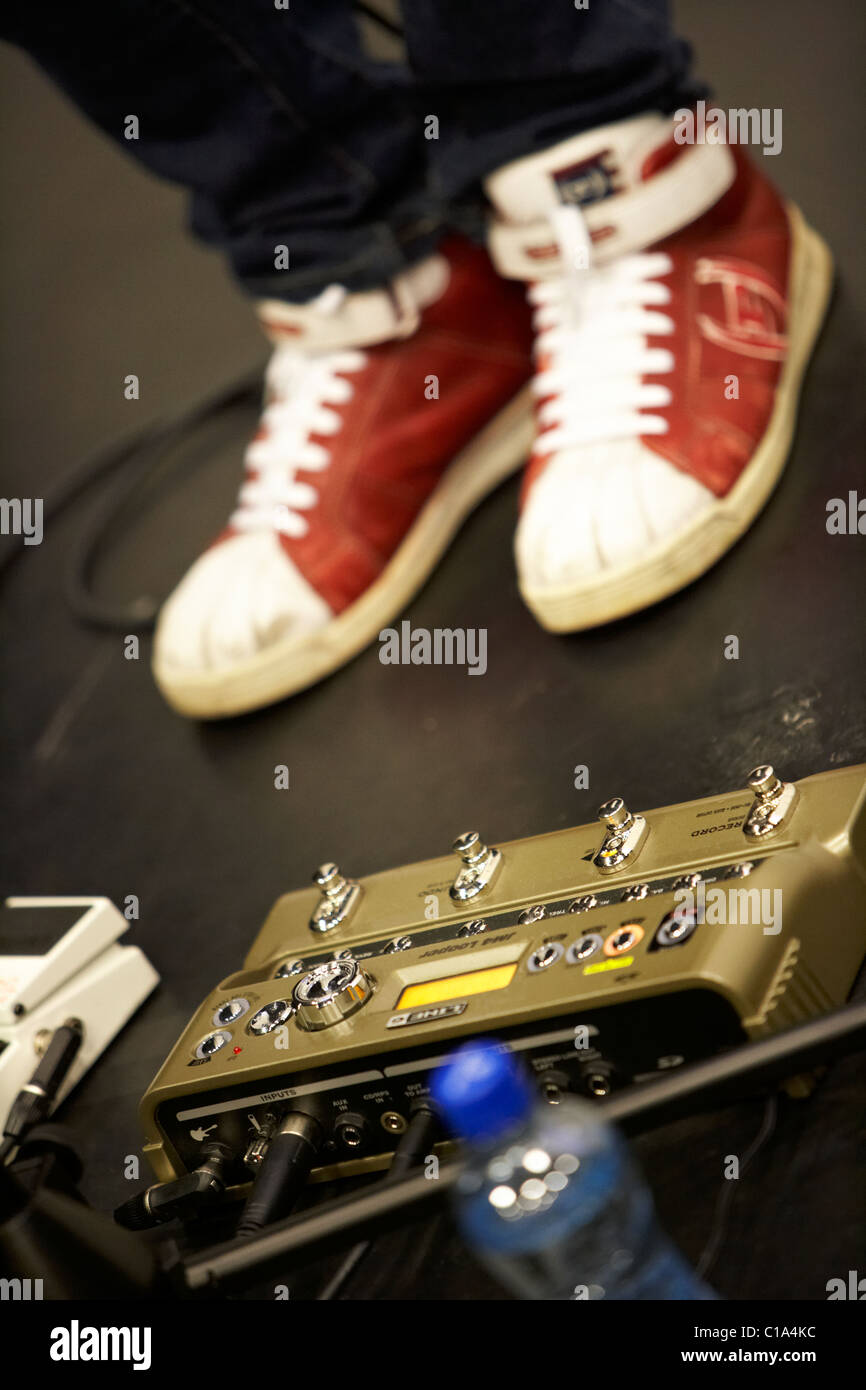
{"points": [[236, 1051]]}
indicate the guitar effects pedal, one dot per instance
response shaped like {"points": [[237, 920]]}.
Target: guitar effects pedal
{"points": [[604, 954]]}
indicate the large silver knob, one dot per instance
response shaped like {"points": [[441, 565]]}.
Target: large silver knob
{"points": [[329, 993]]}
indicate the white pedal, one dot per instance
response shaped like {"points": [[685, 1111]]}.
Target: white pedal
{"points": [[60, 959]]}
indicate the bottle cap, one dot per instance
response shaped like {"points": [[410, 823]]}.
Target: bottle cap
{"points": [[482, 1090]]}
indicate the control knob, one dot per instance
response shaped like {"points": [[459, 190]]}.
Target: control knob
{"points": [[329, 993]]}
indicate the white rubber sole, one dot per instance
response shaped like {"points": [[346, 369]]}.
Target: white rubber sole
{"points": [[676, 562], [287, 667]]}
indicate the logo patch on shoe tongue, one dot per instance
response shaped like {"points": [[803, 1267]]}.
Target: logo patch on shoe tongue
{"points": [[588, 181]]}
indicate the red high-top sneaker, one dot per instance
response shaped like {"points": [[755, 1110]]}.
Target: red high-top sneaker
{"points": [[677, 302], [388, 416]]}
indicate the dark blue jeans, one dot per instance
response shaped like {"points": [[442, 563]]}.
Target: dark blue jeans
{"points": [[288, 133]]}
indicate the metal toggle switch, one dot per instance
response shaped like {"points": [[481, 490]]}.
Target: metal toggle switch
{"points": [[480, 865], [774, 802], [339, 897], [624, 838]]}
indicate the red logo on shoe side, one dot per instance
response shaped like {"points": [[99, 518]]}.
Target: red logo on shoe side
{"points": [[755, 314]]}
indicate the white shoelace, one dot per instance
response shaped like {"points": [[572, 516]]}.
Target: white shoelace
{"points": [[300, 389], [592, 325]]}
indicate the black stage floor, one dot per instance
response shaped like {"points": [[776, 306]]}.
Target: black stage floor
{"points": [[106, 791]]}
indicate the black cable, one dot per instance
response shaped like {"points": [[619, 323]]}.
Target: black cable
{"points": [[77, 481], [285, 1168], [51, 1235], [34, 1101], [413, 1148], [139, 456], [140, 615], [716, 1238], [339, 1280]]}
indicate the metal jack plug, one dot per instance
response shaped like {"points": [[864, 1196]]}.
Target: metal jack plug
{"points": [[184, 1197]]}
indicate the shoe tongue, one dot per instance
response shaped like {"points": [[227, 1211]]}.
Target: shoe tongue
{"points": [[578, 172], [337, 319], [633, 183]]}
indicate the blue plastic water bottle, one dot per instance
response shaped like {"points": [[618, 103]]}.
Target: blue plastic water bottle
{"points": [[551, 1200]]}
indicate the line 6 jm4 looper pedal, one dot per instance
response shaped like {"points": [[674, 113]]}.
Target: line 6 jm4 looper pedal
{"points": [[604, 954]]}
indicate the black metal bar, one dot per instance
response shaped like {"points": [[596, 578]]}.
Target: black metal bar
{"points": [[724, 1078], [643, 1107]]}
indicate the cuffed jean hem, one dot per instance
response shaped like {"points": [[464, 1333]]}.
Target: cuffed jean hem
{"points": [[376, 255]]}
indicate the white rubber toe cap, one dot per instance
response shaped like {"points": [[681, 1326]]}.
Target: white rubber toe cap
{"points": [[602, 508], [238, 599]]}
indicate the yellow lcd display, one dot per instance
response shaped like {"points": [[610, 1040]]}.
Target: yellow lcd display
{"points": [[456, 986]]}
